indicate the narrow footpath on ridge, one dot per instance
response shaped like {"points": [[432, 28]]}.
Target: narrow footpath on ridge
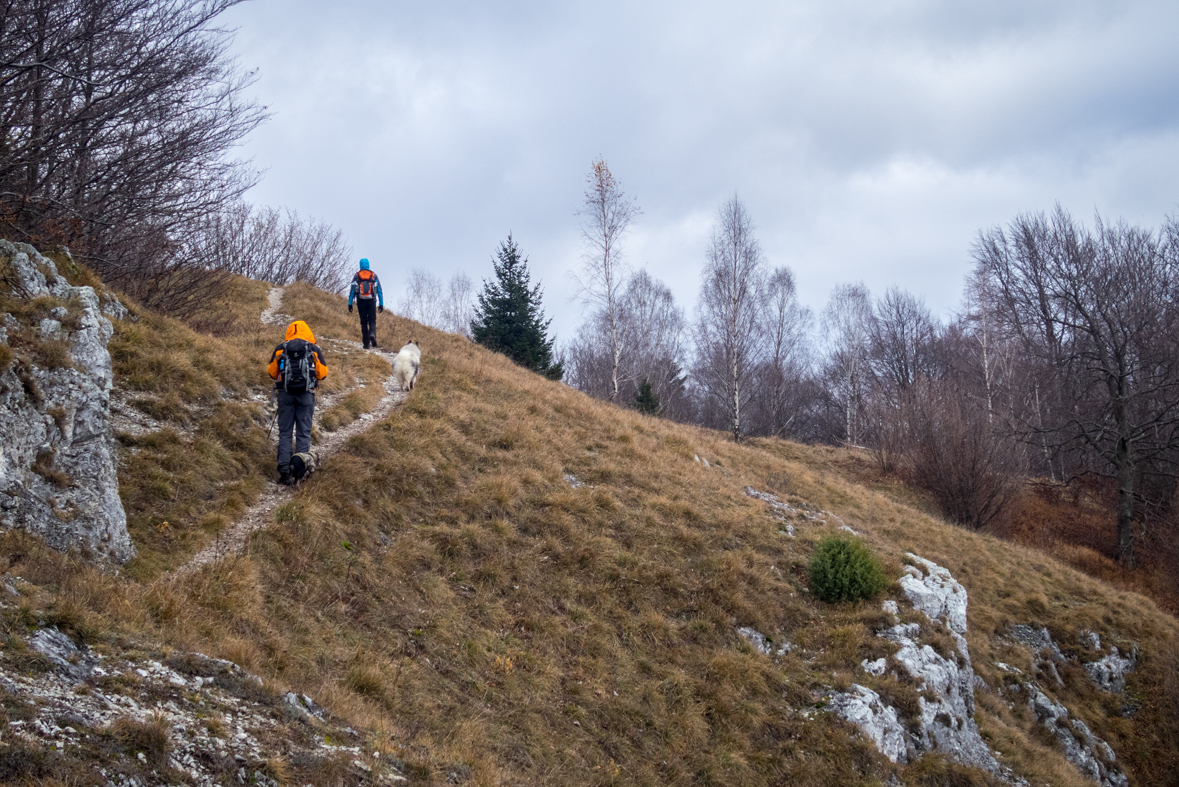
{"points": [[261, 514]]}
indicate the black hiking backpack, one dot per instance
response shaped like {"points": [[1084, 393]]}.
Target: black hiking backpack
{"points": [[296, 365]]}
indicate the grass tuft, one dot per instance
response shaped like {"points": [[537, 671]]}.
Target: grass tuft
{"points": [[151, 738]]}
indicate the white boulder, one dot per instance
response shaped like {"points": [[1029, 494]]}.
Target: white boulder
{"points": [[879, 722]]}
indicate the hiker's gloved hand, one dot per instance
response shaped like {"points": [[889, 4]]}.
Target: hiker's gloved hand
{"points": [[349, 308], [381, 309]]}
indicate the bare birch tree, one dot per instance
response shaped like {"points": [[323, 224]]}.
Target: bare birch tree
{"points": [[459, 307], [989, 355], [447, 308], [781, 379], [847, 323], [606, 215], [728, 337], [653, 329], [423, 301], [651, 326]]}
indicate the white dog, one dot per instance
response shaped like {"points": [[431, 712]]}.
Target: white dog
{"points": [[407, 364]]}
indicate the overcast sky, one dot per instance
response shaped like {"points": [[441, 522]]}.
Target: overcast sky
{"points": [[870, 140]]}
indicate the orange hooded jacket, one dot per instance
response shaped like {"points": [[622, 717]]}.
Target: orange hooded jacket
{"points": [[298, 330]]}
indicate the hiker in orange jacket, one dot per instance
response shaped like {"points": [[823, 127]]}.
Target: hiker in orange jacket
{"points": [[296, 366]]}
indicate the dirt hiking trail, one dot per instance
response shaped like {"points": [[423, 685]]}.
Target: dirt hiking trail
{"points": [[261, 514]]}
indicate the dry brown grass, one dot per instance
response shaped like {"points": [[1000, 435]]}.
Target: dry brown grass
{"points": [[449, 536], [151, 738], [364, 374], [183, 484], [441, 584], [1073, 523]]}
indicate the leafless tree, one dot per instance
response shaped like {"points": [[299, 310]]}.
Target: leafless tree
{"points": [[848, 325], [951, 451], [423, 300], [119, 120], [990, 356], [459, 307], [447, 309], [606, 215], [1097, 317], [651, 326], [781, 380], [903, 334], [902, 341], [653, 329], [729, 343], [271, 245], [587, 358]]}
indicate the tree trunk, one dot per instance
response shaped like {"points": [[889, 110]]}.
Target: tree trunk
{"points": [[736, 408], [1124, 463], [986, 359], [615, 354]]}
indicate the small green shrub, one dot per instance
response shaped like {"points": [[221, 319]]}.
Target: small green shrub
{"points": [[843, 569]]}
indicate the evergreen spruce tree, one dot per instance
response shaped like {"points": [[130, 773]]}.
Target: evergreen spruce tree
{"points": [[646, 400], [508, 318]]}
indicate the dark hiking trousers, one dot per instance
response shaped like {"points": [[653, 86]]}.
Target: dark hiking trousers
{"points": [[294, 412], [368, 320]]}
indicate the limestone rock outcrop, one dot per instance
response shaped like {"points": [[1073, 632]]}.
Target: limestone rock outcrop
{"points": [[946, 722], [1092, 756], [222, 725], [57, 448], [877, 720], [1109, 672], [763, 644], [946, 680], [71, 660]]}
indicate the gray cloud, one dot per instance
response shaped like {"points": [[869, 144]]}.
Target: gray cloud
{"points": [[870, 140]]}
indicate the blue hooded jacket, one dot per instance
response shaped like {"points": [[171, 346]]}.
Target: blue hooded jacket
{"points": [[356, 285]]}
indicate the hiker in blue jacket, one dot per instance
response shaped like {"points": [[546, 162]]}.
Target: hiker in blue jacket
{"points": [[366, 285]]}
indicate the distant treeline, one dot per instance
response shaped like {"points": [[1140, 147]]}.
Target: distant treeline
{"points": [[1062, 362]]}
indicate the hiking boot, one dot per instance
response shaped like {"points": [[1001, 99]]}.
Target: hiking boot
{"points": [[285, 479]]}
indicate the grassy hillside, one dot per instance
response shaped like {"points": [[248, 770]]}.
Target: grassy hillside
{"points": [[506, 582], [210, 456]]}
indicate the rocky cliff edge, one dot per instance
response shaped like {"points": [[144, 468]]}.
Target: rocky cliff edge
{"points": [[57, 447]]}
